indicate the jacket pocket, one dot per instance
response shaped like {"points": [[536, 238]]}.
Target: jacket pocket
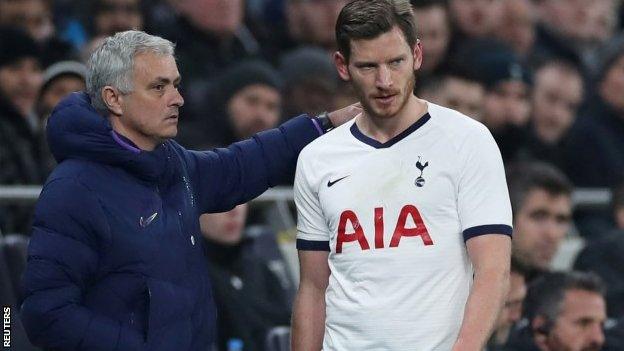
{"points": [[169, 324]]}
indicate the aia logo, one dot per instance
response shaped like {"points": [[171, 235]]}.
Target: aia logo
{"points": [[400, 229], [420, 181]]}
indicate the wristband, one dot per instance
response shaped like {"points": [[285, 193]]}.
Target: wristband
{"points": [[324, 122]]}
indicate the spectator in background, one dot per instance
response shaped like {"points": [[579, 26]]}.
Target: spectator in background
{"points": [[210, 35], [313, 22], [20, 81], [250, 297], [434, 32], [247, 98], [311, 81], [107, 17], [594, 156], [304, 23], [112, 16], [476, 18], [574, 29], [511, 311], [506, 107], [604, 256], [59, 80], [517, 26], [456, 90], [556, 97], [542, 208], [565, 312], [35, 17]]}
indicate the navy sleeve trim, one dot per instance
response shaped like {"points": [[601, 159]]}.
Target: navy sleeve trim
{"points": [[487, 229], [311, 245]]}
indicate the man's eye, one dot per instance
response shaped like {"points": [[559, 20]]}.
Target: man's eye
{"points": [[159, 87]]}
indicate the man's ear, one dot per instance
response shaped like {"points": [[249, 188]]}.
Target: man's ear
{"points": [[417, 53], [342, 66], [113, 100]]}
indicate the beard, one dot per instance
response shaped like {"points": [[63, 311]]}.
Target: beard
{"points": [[402, 97]]}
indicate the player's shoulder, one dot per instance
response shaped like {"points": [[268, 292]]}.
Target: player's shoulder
{"points": [[455, 122], [327, 143]]}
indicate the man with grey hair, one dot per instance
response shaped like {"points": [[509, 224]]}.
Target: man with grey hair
{"points": [[115, 261], [566, 311]]}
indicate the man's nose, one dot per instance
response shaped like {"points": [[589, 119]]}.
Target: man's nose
{"points": [[178, 100], [383, 79], [597, 335]]}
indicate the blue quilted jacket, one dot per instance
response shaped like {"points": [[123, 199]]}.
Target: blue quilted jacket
{"points": [[115, 261]]}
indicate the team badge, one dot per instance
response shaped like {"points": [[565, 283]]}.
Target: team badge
{"points": [[420, 181]]}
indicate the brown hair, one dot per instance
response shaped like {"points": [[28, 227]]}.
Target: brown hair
{"points": [[365, 19]]}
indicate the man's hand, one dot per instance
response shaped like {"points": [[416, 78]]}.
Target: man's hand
{"points": [[345, 114]]}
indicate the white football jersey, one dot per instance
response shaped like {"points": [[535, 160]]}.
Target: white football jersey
{"points": [[394, 217]]}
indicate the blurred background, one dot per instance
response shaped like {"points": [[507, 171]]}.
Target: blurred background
{"points": [[545, 76]]}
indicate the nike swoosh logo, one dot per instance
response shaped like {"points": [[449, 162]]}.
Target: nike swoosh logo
{"points": [[145, 222], [330, 183]]}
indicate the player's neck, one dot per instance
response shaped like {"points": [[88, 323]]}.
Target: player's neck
{"points": [[384, 129]]}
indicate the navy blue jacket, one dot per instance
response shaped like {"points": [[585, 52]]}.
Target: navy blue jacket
{"points": [[115, 261]]}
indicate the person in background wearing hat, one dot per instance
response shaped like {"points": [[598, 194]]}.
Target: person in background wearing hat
{"points": [[59, 80], [20, 80], [310, 81], [594, 157], [247, 99], [506, 107]]}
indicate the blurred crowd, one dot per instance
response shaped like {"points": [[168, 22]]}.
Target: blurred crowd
{"points": [[545, 76]]}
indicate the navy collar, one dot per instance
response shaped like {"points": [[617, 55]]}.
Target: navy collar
{"points": [[378, 145]]}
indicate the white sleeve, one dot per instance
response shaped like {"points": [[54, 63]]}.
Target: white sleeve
{"points": [[312, 229], [483, 197]]}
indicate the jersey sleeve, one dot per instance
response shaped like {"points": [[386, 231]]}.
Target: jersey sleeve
{"points": [[483, 198], [312, 229]]}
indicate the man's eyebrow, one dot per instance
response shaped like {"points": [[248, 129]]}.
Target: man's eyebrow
{"points": [[165, 80], [402, 56], [364, 64]]}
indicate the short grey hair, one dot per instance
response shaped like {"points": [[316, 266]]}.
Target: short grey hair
{"points": [[112, 62], [545, 296]]}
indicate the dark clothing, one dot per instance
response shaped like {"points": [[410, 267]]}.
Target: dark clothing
{"points": [[19, 160], [594, 157], [605, 257], [249, 296], [536, 149], [510, 140], [19, 153], [521, 340], [549, 45], [201, 56], [115, 260]]}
